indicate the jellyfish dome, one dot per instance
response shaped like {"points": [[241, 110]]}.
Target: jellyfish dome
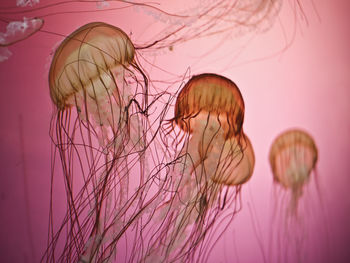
{"points": [[88, 71], [85, 60], [293, 156], [211, 109]]}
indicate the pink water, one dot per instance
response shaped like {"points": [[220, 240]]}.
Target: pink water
{"points": [[306, 85]]}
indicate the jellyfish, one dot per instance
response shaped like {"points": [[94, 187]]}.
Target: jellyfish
{"points": [[24, 3], [213, 159], [17, 31], [293, 157], [97, 129]]}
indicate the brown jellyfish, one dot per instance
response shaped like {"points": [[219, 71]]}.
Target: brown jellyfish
{"points": [[87, 71], [210, 108], [96, 87], [214, 158], [293, 156]]}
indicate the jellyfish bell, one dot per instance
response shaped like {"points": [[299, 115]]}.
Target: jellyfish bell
{"points": [[88, 56], [85, 61], [293, 156], [211, 109], [210, 93], [87, 69]]}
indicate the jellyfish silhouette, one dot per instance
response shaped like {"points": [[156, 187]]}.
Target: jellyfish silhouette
{"points": [[213, 159], [98, 130], [293, 157]]}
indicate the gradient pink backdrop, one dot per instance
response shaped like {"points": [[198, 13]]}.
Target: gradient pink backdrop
{"points": [[306, 85]]}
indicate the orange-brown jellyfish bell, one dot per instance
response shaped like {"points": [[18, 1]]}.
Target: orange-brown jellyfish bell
{"points": [[85, 62], [293, 156], [211, 109], [88, 70]]}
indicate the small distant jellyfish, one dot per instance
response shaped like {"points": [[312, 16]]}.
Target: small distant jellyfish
{"points": [[214, 158], [293, 156], [98, 91], [102, 4], [24, 3], [17, 31]]}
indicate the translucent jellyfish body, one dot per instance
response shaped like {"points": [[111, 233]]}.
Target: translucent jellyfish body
{"points": [[87, 71], [293, 156], [214, 158], [95, 84], [211, 109]]}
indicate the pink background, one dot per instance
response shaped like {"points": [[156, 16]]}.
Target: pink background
{"points": [[306, 85]]}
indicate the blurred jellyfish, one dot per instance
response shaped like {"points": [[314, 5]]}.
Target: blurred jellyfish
{"points": [[24, 3], [98, 130], [20, 30], [214, 158], [293, 156], [102, 4], [17, 31]]}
